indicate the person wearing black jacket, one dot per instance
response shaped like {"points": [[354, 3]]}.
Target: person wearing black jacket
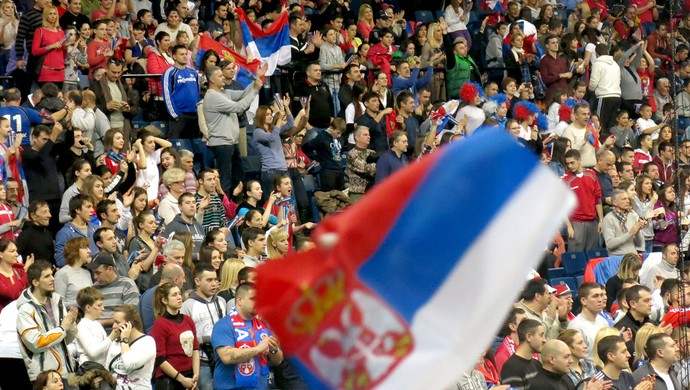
{"points": [[36, 239], [325, 149], [321, 107], [40, 169], [553, 373]]}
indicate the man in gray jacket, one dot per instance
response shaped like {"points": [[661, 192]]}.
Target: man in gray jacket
{"points": [[221, 107], [622, 229], [44, 325]]}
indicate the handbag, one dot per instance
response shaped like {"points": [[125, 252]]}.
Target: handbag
{"points": [[40, 59]]}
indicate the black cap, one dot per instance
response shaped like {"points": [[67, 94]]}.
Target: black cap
{"points": [[102, 258]]}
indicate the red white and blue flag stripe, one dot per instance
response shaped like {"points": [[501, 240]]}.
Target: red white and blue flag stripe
{"points": [[406, 289], [271, 45]]}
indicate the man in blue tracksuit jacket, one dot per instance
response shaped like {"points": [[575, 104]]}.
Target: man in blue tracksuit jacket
{"points": [[181, 95]]}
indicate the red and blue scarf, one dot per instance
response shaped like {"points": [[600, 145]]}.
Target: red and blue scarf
{"points": [[246, 373]]}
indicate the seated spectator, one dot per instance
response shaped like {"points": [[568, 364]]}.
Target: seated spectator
{"points": [[666, 269], [614, 355], [521, 368], [394, 159], [360, 169], [535, 299], [639, 300], [581, 368], [326, 149], [173, 179], [662, 351], [117, 290], [186, 221], [12, 273], [510, 337], [131, 360], [629, 268], [593, 300], [92, 341]]}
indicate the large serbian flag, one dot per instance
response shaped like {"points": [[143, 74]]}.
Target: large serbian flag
{"points": [[271, 45], [245, 69], [407, 288]]}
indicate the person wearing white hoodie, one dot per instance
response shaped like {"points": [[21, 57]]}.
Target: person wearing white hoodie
{"points": [[605, 82]]}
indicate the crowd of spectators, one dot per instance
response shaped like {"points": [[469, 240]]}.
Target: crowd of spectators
{"points": [[144, 179]]}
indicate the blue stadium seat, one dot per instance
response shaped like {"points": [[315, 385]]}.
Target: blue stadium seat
{"points": [[579, 280], [554, 273], [570, 281], [180, 144], [574, 263], [139, 124], [424, 16], [440, 14], [596, 253]]}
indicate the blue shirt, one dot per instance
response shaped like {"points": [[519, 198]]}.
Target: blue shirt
{"points": [[388, 164], [180, 90], [21, 120], [146, 308], [224, 374]]}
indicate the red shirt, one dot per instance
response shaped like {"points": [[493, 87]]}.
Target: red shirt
{"points": [[646, 16], [7, 216], [94, 53], [53, 69], [170, 336], [11, 289], [677, 316], [586, 187]]}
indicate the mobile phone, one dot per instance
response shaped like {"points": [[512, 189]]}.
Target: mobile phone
{"points": [[278, 100], [132, 256], [66, 37]]}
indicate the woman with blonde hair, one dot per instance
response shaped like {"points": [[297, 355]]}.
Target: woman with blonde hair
{"points": [[228, 279], [645, 332], [168, 208], [604, 332], [277, 243], [365, 23], [629, 268], [432, 53], [49, 48], [8, 32], [581, 368]]}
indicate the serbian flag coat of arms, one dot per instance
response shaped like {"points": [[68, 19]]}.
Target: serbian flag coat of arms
{"points": [[271, 45], [245, 69], [407, 288]]}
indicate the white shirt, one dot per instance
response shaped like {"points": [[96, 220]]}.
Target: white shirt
{"points": [[645, 124], [588, 329], [667, 380], [133, 370], [150, 175], [92, 342]]}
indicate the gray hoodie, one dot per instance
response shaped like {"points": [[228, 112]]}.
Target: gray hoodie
{"points": [[179, 225]]}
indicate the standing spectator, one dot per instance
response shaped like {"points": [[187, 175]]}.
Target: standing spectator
{"points": [[73, 16], [457, 18], [267, 138], [321, 108], [99, 50], [554, 68], [205, 308], [408, 76], [360, 170], [114, 98], [44, 340], [373, 119], [332, 60], [631, 83], [35, 238], [8, 33], [131, 360], [346, 96], [510, 338], [214, 215], [584, 137], [665, 228], [177, 347], [460, 67], [29, 22], [621, 228], [584, 224], [41, 172], [433, 55], [92, 341], [260, 350], [393, 160], [605, 82], [149, 175], [158, 60], [326, 149], [145, 226], [593, 300], [221, 108], [48, 45], [303, 52], [365, 22], [186, 221], [181, 94], [380, 54], [12, 273], [72, 277], [664, 161]]}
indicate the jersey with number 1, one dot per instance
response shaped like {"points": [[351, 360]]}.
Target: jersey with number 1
{"points": [[22, 120]]}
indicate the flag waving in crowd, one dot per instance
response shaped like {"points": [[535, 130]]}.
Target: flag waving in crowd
{"points": [[271, 45], [245, 68], [375, 314]]}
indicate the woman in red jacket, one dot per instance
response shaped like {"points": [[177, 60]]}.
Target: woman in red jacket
{"points": [[48, 43], [158, 60], [100, 50]]}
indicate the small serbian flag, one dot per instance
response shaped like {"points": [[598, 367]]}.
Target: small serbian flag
{"points": [[271, 45], [245, 69], [406, 288]]}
